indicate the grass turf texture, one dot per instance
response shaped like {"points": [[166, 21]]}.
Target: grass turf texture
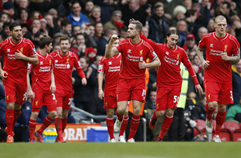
{"points": [[119, 150]]}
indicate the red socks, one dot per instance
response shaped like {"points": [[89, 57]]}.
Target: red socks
{"points": [[16, 116], [58, 126], [209, 112], [110, 126], [123, 125], [165, 126], [135, 121], [32, 126], [9, 120], [64, 124], [47, 121], [120, 117], [219, 121]]}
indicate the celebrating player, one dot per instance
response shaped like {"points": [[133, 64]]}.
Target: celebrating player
{"points": [[18, 52], [111, 68], [63, 62], [131, 84], [221, 50], [43, 88], [169, 80]]}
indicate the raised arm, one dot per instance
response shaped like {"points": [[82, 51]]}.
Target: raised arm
{"points": [[111, 51]]}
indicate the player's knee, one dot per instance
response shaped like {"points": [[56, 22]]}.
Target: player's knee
{"points": [[10, 105], [121, 110], [52, 114], [169, 112], [212, 105], [222, 108], [110, 113], [160, 113], [34, 115], [136, 111]]}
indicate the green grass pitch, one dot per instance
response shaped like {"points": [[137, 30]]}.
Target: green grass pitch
{"points": [[119, 150]]}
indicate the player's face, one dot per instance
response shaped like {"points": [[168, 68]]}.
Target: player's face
{"points": [[17, 33], [64, 46], [220, 26], [132, 31], [172, 41]]}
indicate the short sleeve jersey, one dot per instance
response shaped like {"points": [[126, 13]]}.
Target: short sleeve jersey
{"points": [[63, 67], [111, 68], [16, 69], [41, 76], [132, 54], [219, 70]]}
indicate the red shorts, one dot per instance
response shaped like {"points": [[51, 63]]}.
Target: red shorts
{"points": [[219, 92], [64, 99], [15, 92], [131, 89], [44, 98], [167, 97], [110, 100]]}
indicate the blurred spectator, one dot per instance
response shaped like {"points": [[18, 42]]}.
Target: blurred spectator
{"points": [[158, 25], [24, 17], [56, 38], [36, 26], [210, 26], [115, 22], [145, 31], [201, 32], [178, 14], [95, 15], [133, 10], [66, 27], [76, 17], [79, 47], [88, 7], [234, 113], [182, 30], [5, 33], [83, 96], [91, 54], [99, 30], [8, 7], [104, 40], [123, 32], [190, 43], [25, 31], [45, 5], [5, 18], [188, 4], [56, 47], [51, 25]]}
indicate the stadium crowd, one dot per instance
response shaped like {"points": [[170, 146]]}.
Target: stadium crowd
{"points": [[90, 24]]}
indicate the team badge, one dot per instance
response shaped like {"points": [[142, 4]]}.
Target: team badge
{"points": [[67, 60], [225, 48], [21, 49]]}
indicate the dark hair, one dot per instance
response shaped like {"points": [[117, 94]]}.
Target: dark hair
{"points": [[86, 59], [169, 33], [79, 34], [74, 2], [65, 22], [138, 24], [44, 41], [63, 38], [123, 28], [20, 11], [14, 24], [228, 4]]}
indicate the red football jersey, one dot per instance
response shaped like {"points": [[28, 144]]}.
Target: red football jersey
{"points": [[219, 70], [41, 76], [63, 67], [132, 54], [111, 68], [16, 69], [168, 73]]}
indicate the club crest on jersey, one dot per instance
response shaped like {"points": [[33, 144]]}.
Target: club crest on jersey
{"points": [[178, 56], [225, 48], [67, 60], [129, 51], [211, 45], [21, 49], [36, 103], [50, 62], [8, 50], [141, 52], [167, 53]]}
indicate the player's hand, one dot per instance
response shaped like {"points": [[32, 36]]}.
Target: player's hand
{"points": [[84, 81], [132, 19], [142, 64], [19, 55], [114, 38], [199, 89], [30, 94], [53, 88], [224, 56], [4, 75], [73, 80], [206, 64], [101, 94]]}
